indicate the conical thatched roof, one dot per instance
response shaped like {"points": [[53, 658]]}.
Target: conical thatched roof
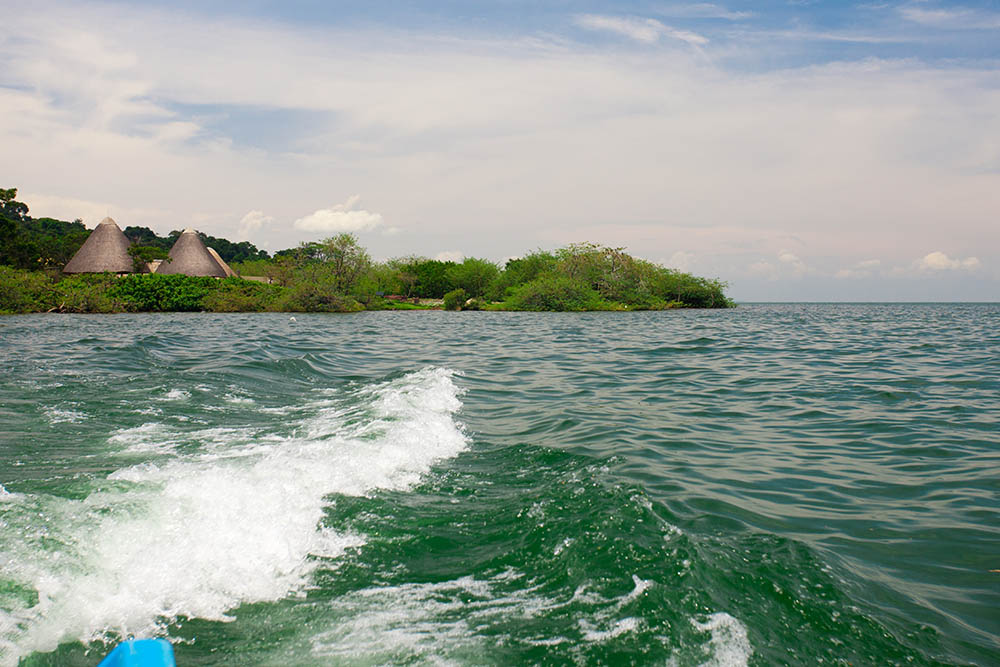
{"points": [[190, 257], [106, 249], [222, 262]]}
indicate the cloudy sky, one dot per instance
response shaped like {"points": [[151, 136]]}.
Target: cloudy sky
{"points": [[800, 150]]}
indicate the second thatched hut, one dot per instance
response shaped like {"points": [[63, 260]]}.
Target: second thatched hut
{"points": [[190, 257]]}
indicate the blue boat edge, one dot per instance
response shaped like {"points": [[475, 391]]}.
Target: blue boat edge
{"points": [[140, 653]]}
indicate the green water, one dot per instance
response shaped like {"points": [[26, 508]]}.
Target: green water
{"points": [[778, 484]]}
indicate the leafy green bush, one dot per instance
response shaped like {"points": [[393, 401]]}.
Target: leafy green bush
{"points": [[455, 299], [307, 297], [555, 293], [520, 271], [473, 275], [24, 291], [235, 295], [86, 293], [253, 267], [159, 292]]}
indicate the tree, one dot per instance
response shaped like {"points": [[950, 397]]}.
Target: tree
{"points": [[9, 208], [473, 275], [344, 260]]}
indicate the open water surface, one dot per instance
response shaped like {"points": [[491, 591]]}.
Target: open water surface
{"points": [[775, 484]]}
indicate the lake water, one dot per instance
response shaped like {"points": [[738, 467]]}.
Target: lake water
{"points": [[774, 484]]}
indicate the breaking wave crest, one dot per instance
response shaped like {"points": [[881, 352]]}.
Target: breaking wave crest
{"points": [[227, 517]]}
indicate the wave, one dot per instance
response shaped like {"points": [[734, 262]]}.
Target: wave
{"points": [[228, 518]]}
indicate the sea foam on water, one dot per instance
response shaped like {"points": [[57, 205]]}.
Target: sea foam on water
{"points": [[198, 534]]}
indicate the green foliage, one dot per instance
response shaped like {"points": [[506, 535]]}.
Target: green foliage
{"points": [[473, 275], [24, 291], [251, 267], [419, 277], [520, 271], [144, 236], [385, 278], [308, 297], [86, 293], [158, 292], [230, 252], [35, 243], [455, 299], [555, 293], [142, 255], [338, 263], [332, 275], [235, 295], [619, 280], [233, 252]]}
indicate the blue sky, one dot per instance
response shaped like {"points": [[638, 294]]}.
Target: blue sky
{"points": [[798, 150]]}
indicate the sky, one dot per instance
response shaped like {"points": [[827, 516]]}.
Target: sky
{"points": [[799, 150]]}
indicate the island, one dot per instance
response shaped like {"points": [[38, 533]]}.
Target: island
{"points": [[49, 265]]}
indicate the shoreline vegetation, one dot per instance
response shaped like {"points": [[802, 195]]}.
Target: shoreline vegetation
{"points": [[333, 275]]}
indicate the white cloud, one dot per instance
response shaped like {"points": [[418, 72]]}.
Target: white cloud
{"points": [[501, 146], [251, 223], [680, 260], [703, 10], [956, 18], [792, 261], [862, 269], [90, 212], [450, 256], [764, 269], [339, 218], [639, 29], [938, 261]]}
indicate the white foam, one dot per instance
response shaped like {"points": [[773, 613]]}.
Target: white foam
{"points": [[176, 395], [590, 634], [150, 436], [201, 533], [430, 621], [729, 644], [58, 416]]}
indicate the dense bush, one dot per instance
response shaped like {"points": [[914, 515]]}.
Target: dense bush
{"points": [[86, 294], [455, 299], [159, 292], [234, 295], [316, 298], [24, 291], [519, 271], [555, 293], [472, 275]]}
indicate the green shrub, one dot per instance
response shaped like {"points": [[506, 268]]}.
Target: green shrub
{"points": [[316, 298], [520, 271], [24, 291], [235, 295], [252, 267], [455, 299], [473, 275], [158, 292], [85, 293], [555, 293]]}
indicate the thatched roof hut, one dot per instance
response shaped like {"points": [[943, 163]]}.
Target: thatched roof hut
{"points": [[222, 262], [106, 249], [190, 257]]}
